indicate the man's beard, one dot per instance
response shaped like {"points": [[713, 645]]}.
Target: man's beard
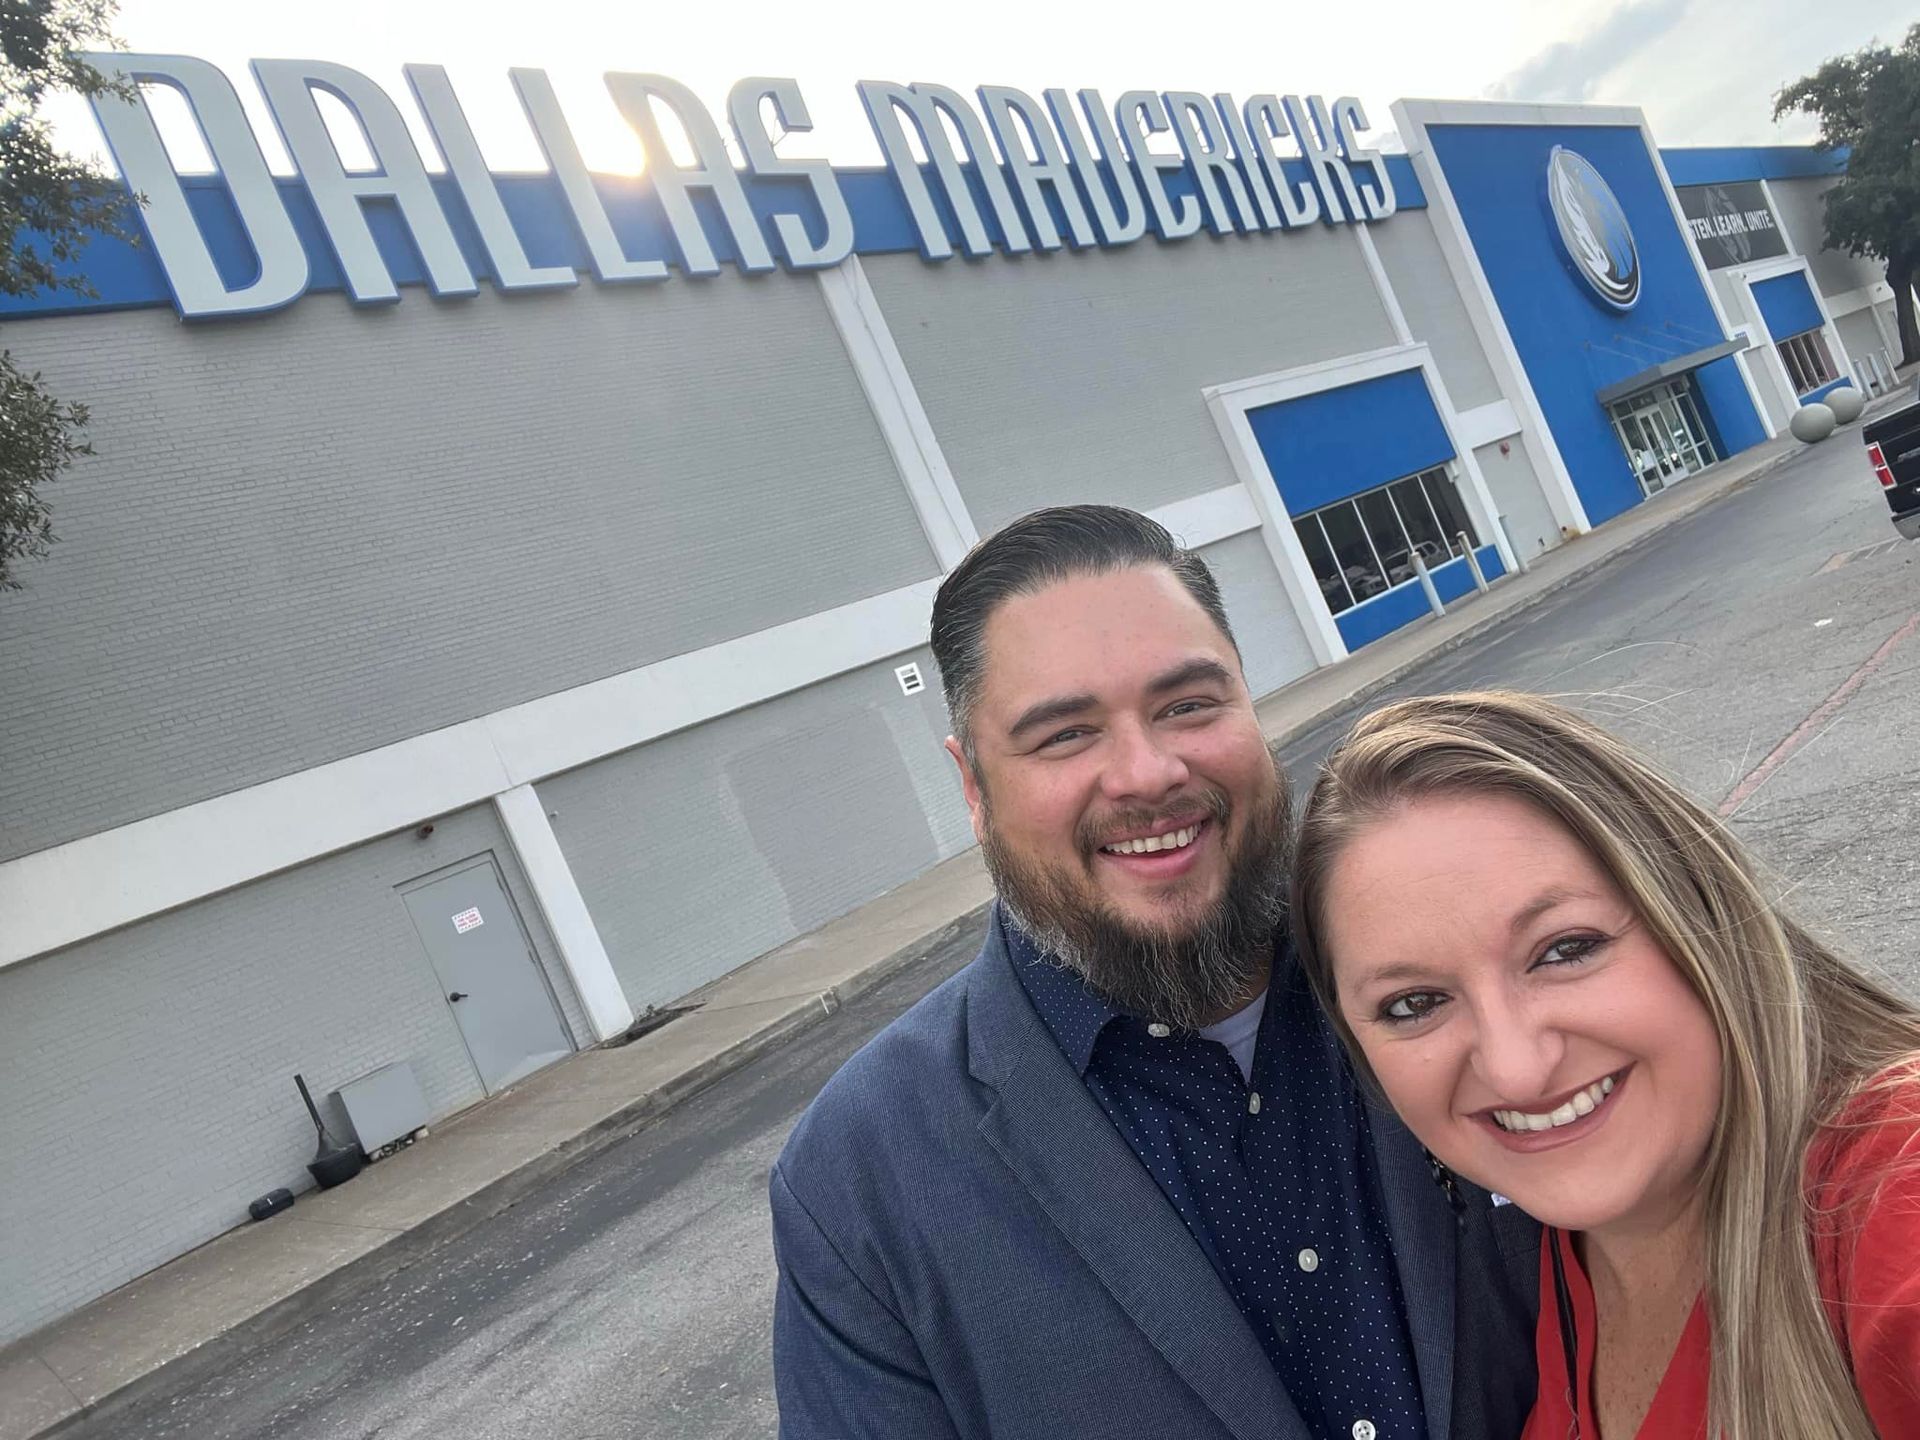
{"points": [[1187, 975]]}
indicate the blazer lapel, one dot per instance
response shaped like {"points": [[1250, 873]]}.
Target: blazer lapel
{"points": [[1064, 1150], [1425, 1246]]}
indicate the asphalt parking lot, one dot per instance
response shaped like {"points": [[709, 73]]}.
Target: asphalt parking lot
{"points": [[1764, 650]]}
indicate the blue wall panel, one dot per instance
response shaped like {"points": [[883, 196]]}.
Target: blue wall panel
{"points": [[1718, 164], [1787, 305], [1385, 613], [1339, 442], [1570, 344]]}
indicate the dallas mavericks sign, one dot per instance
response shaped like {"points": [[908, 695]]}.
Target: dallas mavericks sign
{"points": [[1026, 176], [1593, 228]]}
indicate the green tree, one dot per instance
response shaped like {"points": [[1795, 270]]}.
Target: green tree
{"points": [[49, 202], [1869, 101]]}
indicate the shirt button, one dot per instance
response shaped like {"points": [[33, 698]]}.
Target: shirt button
{"points": [[1310, 1261], [1159, 1031], [1363, 1430], [1253, 1103]]}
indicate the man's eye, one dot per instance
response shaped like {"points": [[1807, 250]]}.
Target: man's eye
{"points": [[1063, 738], [1190, 707], [1415, 1005]]}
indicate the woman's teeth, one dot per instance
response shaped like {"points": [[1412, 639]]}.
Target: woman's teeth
{"points": [[1584, 1103], [1175, 840]]}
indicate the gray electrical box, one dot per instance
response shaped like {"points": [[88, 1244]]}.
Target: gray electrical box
{"points": [[383, 1105]]}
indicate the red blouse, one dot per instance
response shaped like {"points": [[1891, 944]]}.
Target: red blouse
{"points": [[1863, 1191]]}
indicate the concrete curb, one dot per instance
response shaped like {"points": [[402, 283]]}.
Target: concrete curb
{"points": [[284, 1315]]}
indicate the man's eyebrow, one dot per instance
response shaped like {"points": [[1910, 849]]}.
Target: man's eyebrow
{"points": [[1190, 672], [1046, 712]]}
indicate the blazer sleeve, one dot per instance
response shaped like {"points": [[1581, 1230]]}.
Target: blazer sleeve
{"points": [[1874, 1273], [844, 1366]]}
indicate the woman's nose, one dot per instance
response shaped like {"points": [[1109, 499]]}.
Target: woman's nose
{"points": [[1517, 1053]]}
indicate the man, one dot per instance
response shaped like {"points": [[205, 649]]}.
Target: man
{"points": [[1115, 1178]]}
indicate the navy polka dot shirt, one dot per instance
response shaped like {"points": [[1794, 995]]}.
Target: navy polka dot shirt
{"points": [[1275, 1178]]}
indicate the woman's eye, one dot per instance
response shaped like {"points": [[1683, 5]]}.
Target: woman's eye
{"points": [[1417, 1005], [1570, 950]]}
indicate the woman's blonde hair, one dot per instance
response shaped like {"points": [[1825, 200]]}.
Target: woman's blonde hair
{"points": [[1800, 1030]]}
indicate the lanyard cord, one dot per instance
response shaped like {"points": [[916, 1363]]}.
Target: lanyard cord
{"points": [[1569, 1339]]}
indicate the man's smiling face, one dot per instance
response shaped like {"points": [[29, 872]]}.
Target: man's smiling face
{"points": [[1122, 781]]}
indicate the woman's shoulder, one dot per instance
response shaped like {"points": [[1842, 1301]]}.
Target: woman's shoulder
{"points": [[1863, 1211], [1870, 1132]]}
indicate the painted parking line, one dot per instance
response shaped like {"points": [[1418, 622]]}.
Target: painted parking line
{"points": [[1865, 552], [1814, 723]]}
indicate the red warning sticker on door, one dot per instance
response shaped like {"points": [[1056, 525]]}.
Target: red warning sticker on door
{"points": [[466, 920]]}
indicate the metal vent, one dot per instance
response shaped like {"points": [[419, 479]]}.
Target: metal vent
{"points": [[910, 679]]}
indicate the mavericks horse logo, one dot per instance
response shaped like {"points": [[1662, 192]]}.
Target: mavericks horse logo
{"points": [[1593, 228]]}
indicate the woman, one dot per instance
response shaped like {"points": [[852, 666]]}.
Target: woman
{"points": [[1565, 976]]}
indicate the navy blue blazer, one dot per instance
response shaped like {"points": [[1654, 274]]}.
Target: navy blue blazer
{"points": [[968, 1248]]}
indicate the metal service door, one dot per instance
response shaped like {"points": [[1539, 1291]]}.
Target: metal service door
{"points": [[488, 973]]}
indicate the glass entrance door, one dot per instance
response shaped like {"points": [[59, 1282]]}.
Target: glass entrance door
{"points": [[1661, 432]]}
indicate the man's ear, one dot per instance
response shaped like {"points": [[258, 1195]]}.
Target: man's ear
{"points": [[970, 787]]}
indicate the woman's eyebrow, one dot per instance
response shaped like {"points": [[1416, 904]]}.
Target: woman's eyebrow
{"points": [[1543, 902]]}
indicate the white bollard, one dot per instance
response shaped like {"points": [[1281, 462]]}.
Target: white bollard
{"points": [[1426, 583], [1473, 563]]}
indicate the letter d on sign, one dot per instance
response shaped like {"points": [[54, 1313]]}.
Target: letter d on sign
{"points": [[178, 242]]}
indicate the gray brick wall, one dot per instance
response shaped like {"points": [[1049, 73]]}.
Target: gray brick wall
{"points": [[1417, 269], [1517, 495], [1076, 376], [1862, 338], [1802, 211], [148, 1073], [703, 849], [323, 530], [1273, 645]]}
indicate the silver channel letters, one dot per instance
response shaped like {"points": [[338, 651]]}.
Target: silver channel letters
{"points": [[1027, 173]]}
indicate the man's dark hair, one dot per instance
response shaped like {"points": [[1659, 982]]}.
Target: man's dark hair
{"points": [[1031, 553]]}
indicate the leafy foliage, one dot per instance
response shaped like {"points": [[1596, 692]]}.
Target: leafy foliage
{"points": [[48, 204], [1869, 101]]}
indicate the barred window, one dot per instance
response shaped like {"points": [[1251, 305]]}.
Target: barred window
{"points": [[1809, 363], [1364, 545]]}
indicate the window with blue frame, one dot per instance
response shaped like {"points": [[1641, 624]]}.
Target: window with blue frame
{"points": [[1364, 545], [1809, 363]]}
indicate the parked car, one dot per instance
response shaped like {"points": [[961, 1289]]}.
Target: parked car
{"points": [[1893, 449]]}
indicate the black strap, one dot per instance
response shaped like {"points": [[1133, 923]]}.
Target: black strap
{"points": [[1569, 1338]]}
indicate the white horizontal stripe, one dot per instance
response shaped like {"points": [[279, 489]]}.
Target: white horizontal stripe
{"points": [[1508, 112], [1204, 519], [1488, 423], [88, 886]]}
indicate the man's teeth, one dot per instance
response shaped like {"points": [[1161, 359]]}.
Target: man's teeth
{"points": [[1175, 840], [1584, 1103]]}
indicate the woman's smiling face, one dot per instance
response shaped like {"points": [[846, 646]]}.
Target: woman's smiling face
{"points": [[1518, 1015]]}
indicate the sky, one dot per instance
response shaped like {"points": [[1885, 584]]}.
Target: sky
{"points": [[1703, 70]]}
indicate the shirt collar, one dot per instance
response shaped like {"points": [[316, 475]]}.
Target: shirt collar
{"points": [[1072, 1013]]}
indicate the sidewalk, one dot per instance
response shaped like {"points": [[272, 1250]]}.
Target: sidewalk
{"points": [[189, 1316]]}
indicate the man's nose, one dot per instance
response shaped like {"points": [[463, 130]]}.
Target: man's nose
{"points": [[1141, 765], [1517, 1050]]}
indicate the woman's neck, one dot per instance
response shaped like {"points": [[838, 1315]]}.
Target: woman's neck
{"points": [[1647, 1262]]}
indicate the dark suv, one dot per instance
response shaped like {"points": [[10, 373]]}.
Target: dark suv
{"points": [[1893, 449]]}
